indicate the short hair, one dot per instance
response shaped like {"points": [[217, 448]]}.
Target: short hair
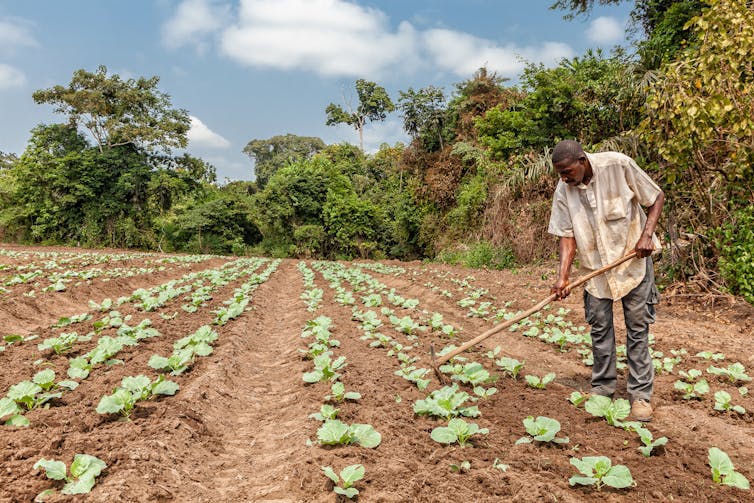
{"points": [[567, 150]]}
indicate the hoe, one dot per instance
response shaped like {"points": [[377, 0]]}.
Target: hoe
{"points": [[436, 362]]}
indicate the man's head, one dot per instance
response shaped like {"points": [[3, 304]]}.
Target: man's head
{"points": [[571, 163]]}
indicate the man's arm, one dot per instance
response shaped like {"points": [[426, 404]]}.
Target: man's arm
{"points": [[566, 252], [644, 246]]}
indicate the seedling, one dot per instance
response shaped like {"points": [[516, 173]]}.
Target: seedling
{"points": [[464, 466], [599, 471], [446, 402], [79, 368], [46, 380], [325, 369], [64, 342], [492, 354], [457, 430], [539, 383], [510, 365], [483, 393], [542, 429], [735, 372], [470, 373], [335, 432], [177, 363], [577, 398], [325, 412], [709, 355], [723, 471], [723, 403], [349, 474], [30, 394], [84, 471], [132, 390], [613, 411], [338, 393], [648, 440], [500, 466], [414, 375], [692, 390]]}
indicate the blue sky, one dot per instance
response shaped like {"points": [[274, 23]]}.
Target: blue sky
{"points": [[252, 69]]}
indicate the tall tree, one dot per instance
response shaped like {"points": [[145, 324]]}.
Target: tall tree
{"points": [[119, 112], [424, 114], [273, 153], [374, 105]]}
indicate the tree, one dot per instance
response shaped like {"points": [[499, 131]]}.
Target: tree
{"points": [[700, 119], [117, 112], [374, 105], [7, 160], [424, 114], [273, 153]]}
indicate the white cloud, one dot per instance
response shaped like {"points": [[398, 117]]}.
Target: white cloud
{"points": [[463, 54], [11, 77], [344, 39], [15, 32], [605, 30], [201, 136], [193, 21], [329, 37]]}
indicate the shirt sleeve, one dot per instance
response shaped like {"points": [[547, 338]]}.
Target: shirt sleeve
{"points": [[560, 218], [642, 185]]}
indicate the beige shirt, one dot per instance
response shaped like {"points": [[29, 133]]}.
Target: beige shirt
{"points": [[606, 219]]}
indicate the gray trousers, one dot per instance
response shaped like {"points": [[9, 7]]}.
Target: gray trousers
{"points": [[639, 312]]}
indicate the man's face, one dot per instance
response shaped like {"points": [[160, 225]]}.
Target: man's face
{"points": [[571, 172]]}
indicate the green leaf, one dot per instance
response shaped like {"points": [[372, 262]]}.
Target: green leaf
{"points": [[334, 432], [348, 493], [165, 388], [366, 435], [41, 497], [351, 474], [328, 471], [17, 420], [444, 435], [736, 480], [86, 465], [55, 470], [720, 463], [44, 378], [8, 407], [584, 481], [79, 486], [618, 477]]}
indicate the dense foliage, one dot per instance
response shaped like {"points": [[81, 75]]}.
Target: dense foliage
{"points": [[473, 186]]}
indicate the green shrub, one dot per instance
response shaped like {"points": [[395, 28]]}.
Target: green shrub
{"points": [[735, 240], [481, 254]]}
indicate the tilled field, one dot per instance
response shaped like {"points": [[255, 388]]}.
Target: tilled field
{"points": [[238, 428]]}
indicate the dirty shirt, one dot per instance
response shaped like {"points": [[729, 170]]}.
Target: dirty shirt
{"points": [[606, 219]]}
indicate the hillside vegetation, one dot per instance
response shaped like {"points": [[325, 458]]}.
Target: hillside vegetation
{"points": [[472, 186]]}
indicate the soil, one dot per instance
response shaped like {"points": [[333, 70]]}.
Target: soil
{"points": [[239, 428]]}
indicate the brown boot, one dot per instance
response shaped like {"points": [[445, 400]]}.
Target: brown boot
{"points": [[641, 410]]}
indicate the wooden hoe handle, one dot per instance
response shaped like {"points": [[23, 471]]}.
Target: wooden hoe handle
{"points": [[501, 326]]}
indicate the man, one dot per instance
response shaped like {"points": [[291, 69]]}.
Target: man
{"points": [[596, 210]]}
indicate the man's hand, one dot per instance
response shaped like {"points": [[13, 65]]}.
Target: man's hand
{"points": [[560, 288], [644, 246]]}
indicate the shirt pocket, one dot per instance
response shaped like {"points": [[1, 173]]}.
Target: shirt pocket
{"points": [[615, 209]]}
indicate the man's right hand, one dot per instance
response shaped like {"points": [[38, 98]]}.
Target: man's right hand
{"points": [[560, 288]]}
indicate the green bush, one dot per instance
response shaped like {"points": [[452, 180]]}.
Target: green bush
{"points": [[481, 254], [735, 240]]}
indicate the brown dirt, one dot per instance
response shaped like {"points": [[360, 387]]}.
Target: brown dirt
{"points": [[238, 429]]}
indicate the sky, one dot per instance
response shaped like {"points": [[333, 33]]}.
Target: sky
{"points": [[253, 69]]}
